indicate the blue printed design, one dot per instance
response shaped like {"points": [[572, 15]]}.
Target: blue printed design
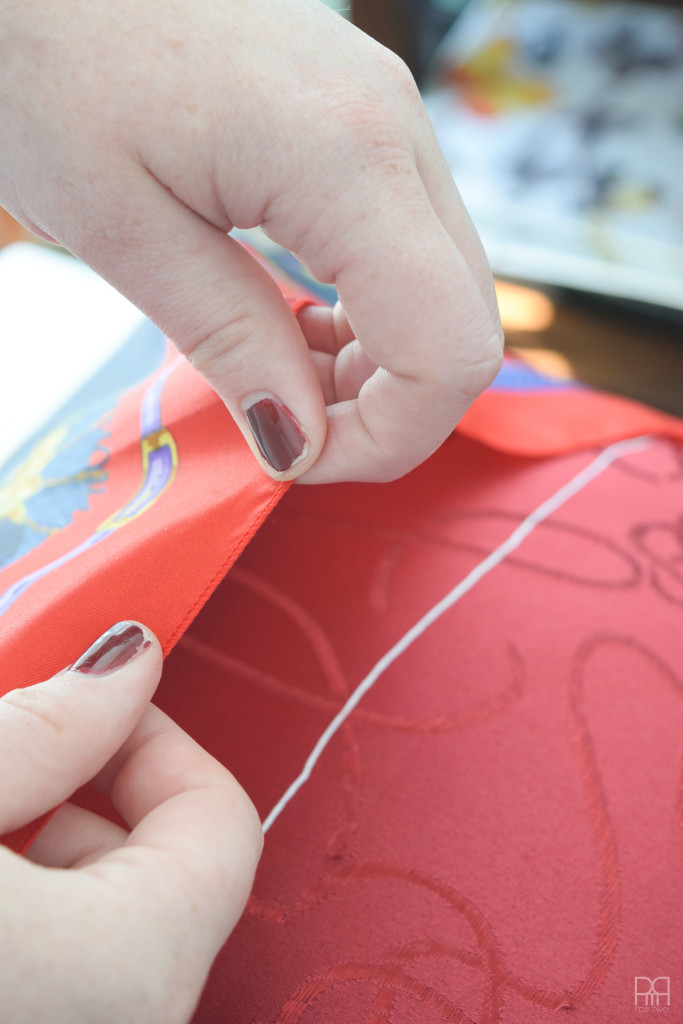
{"points": [[53, 476], [518, 376], [159, 463], [40, 494]]}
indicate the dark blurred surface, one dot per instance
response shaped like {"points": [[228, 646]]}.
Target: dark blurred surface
{"points": [[637, 352], [413, 28]]}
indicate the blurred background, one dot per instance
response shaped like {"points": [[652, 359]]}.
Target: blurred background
{"points": [[563, 124], [562, 121]]}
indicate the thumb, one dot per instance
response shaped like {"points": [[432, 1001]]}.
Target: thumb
{"points": [[58, 734], [224, 312]]}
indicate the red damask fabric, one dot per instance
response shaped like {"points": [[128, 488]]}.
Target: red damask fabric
{"points": [[496, 833]]}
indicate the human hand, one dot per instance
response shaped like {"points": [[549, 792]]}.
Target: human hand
{"points": [[138, 134], [99, 924]]}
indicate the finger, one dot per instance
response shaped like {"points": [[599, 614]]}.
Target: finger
{"points": [[156, 763], [324, 366], [418, 312], [445, 198], [325, 328], [181, 801], [74, 837], [328, 335], [224, 312], [56, 735], [452, 213], [353, 367], [180, 880], [438, 180]]}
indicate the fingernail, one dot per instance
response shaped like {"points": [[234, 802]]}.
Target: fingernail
{"points": [[279, 437], [113, 650]]}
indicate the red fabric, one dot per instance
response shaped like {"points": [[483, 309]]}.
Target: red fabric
{"points": [[495, 835], [543, 423], [160, 567]]}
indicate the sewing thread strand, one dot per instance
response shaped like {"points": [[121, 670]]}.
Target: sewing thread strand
{"points": [[518, 535]]}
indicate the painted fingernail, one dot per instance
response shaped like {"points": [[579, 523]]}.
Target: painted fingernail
{"points": [[279, 437], [113, 650]]}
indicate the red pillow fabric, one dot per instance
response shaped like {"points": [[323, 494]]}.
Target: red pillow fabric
{"points": [[495, 832]]}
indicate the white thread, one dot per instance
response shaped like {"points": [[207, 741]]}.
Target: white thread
{"points": [[518, 535]]}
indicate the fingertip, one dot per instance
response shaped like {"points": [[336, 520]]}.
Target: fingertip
{"points": [[282, 446], [58, 733], [243, 811], [116, 648], [343, 330]]}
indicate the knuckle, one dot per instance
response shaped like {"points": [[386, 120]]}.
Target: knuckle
{"points": [[370, 124], [400, 76], [36, 710], [480, 373], [210, 351], [364, 112]]}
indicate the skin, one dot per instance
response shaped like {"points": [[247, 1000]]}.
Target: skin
{"points": [[99, 924], [137, 134]]}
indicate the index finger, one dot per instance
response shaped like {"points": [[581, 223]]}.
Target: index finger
{"points": [[194, 831], [418, 311]]}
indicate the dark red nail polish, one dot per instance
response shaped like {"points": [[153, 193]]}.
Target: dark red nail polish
{"points": [[113, 650], [278, 436]]}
